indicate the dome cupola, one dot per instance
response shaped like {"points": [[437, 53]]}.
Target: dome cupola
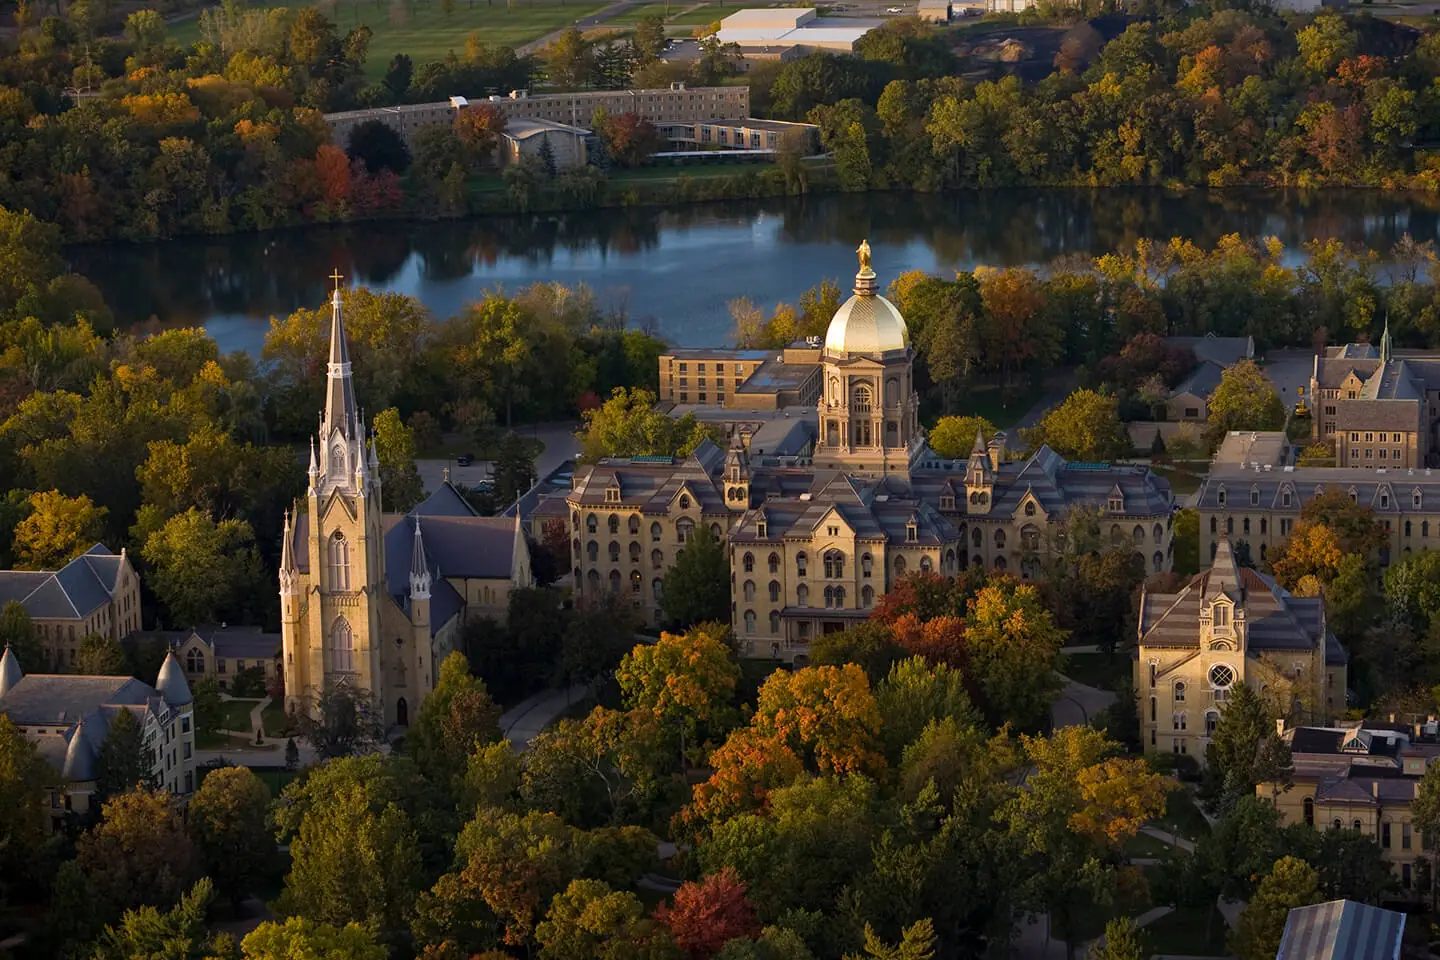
{"points": [[867, 323]]}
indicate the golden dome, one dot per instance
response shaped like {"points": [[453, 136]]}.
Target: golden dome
{"points": [[867, 322]]}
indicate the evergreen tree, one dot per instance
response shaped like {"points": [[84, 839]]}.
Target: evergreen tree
{"points": [[547, 157], [1123, 941], [514, 470], [126, 760], [1244, 750], [697, 588]]}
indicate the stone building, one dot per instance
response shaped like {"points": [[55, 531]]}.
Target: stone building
{"points": [[222, 653], [742, 379], [371, 599], [1355, 778], [1259, 505], [96, 593], [815, 540], [68, 717], [527, 139], [1378, 409], [1230, 625]]}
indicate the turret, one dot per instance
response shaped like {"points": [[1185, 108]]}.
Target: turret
{"points": [[289, 572], [10, 672], [79, 756], [419, 568], [979, 477], [737, 475], [171, 682]]}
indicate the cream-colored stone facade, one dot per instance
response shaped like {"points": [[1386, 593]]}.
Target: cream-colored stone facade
{"points": [[376, 600], [1231, 625], [1378, 410], [97, 593]]}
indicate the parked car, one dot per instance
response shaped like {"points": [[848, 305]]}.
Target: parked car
{"points": [[894, 10], [465, 459]]}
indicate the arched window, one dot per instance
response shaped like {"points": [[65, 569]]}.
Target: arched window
{"points": [[1153, 667], [977, 538], [195, 661], [774, 591], [899, 567], [614, 550], [657, 588], [1358, 826], [1158, 560], [592, 581], [866, 565], [634, 525], [749, 591], [339, 557], [1000, 563], [340, 647], [949, 561], [925, 565], [1177, 720], [834, 564], [1214, 525], [748, 562], [829, 597], [1424, 528], [684, 529], [635, 582], [999, 539], [774, 563], [575, 518], [800, 562], [1029, 508], [591, 523], [615, 581], [749, 621], [1115, 533], [774, 622], [867, 596], [715, 530], [1154, 701], [1030, 538], [1212, 720], [657, 559], [1407, 528], [839, 596], [1309, 806], [1138, 535], [802, 595], [634, 552], [655, 532], [1159, 533], [684, 501], [577, 549], [1336, 824], [1179, 691], [860, 399], [614, 523]]}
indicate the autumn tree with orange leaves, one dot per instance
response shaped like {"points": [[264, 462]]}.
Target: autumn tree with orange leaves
{"points": [[708, 914]]}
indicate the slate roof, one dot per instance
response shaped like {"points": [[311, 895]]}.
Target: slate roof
{"points": [[651, 484], [461, 547], [1202, 380], [1397, 415], [1275, 620], [1388, 492], [1342, 930], [1226, 351], [51, 699], [446, 501], [867, 508], [240, 642], [73, 592]]}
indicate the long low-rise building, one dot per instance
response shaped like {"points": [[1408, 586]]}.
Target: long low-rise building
{"points": [[676, 104]]}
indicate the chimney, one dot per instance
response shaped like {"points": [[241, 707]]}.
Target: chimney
{"points": [[1375, 789]]}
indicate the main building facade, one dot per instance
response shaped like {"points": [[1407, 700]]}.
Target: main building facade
{"points": [[814, 541]]}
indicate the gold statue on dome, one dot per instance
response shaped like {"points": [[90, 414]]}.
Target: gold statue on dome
{"points": [[864, 252]]}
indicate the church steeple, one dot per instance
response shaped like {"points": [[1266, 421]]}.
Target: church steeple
{"points": [[1385, 345], [419, 568], [289, 573], [342, 440]]}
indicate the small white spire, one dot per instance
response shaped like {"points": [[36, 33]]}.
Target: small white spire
{"points": [[419, 568]]}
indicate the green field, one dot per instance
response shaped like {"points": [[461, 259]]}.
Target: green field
{"points": [[421, 29], [676, 14]]}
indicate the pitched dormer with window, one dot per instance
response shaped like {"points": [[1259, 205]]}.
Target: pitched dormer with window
{"points": [[1116, 502]]}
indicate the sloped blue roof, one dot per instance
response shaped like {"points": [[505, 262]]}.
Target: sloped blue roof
{"points": [[73, 592], [1342, 930]]}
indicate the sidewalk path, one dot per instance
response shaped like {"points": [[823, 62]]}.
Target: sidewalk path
{"points": [[1165, 836], [1077, 704], [528, 718], [615, 9]]}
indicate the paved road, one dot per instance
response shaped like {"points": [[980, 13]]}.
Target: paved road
{"points": [[1289, 371], [1060, 388], [1077, 704], [528, 718], [558, 439]]}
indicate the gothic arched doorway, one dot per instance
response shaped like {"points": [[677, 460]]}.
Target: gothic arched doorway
{"points": [[402, 712]]}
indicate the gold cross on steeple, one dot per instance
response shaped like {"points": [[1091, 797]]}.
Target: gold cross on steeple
{"points": [[337, 278]]}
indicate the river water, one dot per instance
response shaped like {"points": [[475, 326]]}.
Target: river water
{"points": [[676, 268]]}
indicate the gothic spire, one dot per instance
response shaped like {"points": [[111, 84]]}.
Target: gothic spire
{"points": [[419, 568], [1385, 344], [341, 412]]}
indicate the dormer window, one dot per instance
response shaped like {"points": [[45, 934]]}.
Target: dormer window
{"points": [[1220, 496], [1415, 498], [1254, 496], [1385, 501], [612, 494], [1220, 616], [1354, 495], [1030, 507], [1117, 505], [684, 501], [760, 528], [1285, 499], [947, 501], [911, 532]]}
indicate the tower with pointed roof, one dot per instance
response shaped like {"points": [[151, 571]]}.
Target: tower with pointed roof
{"points": [[979, 478], [330, 628], [868, 410], [737, 475]]}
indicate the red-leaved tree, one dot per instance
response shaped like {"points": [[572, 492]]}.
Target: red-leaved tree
{"points": [[709, 914]]}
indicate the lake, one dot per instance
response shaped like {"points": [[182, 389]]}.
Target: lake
{"points": [[676, 268]]}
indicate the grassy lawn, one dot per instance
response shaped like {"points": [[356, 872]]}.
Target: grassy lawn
{"points": [[235, 715], [988, 402], [274, 719], [702, 16], [1144, 846], [1183, 480], [1183, 817], [1183, 932], [665, 171], [423, 31], [1097, 670]]}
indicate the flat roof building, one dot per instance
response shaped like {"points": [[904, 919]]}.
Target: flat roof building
{"points": [[794, 26]]}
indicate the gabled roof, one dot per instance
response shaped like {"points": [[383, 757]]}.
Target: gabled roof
{"points": [[1202, 381], [1275, 620], [73, 592]]}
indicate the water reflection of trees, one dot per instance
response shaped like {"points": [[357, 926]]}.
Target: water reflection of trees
{"points": [[187, 281]]}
